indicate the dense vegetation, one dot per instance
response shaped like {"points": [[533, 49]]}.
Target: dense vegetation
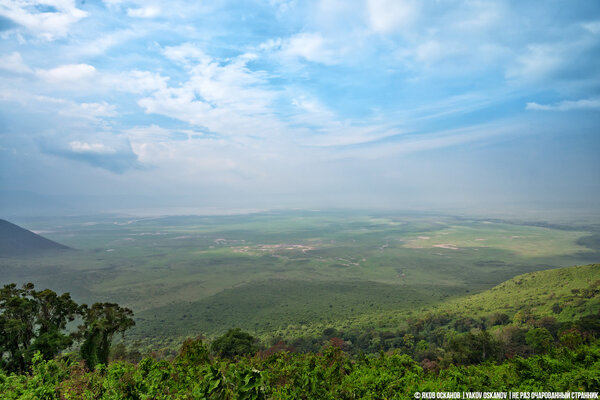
{"points": [[33, 324], [572, 365], [505, 339], [550, 299]]}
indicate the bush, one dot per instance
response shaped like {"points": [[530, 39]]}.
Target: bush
{"points": [[235, 343]]}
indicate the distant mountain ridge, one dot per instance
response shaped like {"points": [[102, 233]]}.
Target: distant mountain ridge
{"points": [[17, 241]]}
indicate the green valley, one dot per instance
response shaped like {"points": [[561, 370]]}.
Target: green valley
{"points": [[284, 271]]}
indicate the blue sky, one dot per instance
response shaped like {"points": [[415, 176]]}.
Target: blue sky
{"points": [[284, 103]]}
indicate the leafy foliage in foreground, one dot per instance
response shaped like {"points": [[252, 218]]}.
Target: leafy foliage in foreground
{"points": [[330, 374], [521, 349]]}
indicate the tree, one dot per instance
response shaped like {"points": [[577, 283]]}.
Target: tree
{"points": [[589, 324], [235, 343], [54, 312], [571, 338], [100, 323], [33, 321], [540, 339], [472, 348], [193, 352], [17, 325]]}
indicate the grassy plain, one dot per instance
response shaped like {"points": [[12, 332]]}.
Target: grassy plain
{"points": [[263, 272]]}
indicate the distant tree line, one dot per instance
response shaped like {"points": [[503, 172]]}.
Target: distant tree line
{"points": [[34, 321]]}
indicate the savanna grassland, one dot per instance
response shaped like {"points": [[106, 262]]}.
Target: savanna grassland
{"points": [[281, 272]]}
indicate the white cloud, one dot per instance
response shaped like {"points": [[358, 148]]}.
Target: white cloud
{"points": [[57, 106], [91, 110], [69, 73], [13, 62], [568, 105], [156, 133], [349, 135], [478, 16], [308, 111], [433, 51], [87, 79], [282, 6], [387, 16], [310, 105], [539, 61], [411, 143], [192, 155], [137, 81], [99, 149], [186, 53], [49, 19], [84, 147], [100, 44], [144, 12], [310, 46], [222, 95]]}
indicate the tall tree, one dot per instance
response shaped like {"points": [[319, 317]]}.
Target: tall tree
{"points": [[100, 323], [54, 312], [33, 321], [17, 325]]}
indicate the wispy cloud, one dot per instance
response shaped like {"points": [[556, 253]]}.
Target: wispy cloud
{"points": [[58, 106], [311, 46], [567, 105], [388, 16], [90, 148], [144, 12], [223, 96], [14, 62], [138, 82], [592, 27]]}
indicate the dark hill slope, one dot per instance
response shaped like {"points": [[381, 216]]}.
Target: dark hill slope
{"points": [[16, 241]]}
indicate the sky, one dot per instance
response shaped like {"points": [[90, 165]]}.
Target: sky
{"points": [[124, 104]]}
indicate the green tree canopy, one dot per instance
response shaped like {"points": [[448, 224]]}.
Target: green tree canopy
{"points": [[33, 321], [235, 343], [540, 339], [100, 323]]}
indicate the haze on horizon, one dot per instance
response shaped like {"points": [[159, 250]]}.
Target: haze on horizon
{"points": [[131, 104]]}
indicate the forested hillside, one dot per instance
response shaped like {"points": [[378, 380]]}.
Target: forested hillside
{"points": [[535, 332]]}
